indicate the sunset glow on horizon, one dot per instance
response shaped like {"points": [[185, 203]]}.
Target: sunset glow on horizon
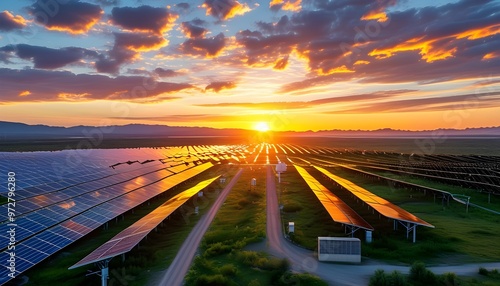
{"points": [[258, 65]]}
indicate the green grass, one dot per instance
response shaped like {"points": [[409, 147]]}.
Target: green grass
{"points": [[153, 254], [421, 276]]}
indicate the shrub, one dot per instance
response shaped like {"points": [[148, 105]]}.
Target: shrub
{"points": [[228, 270], [450, 279], [254, 282], [419, 275], [483, 271], [212, 280], [397, 279], [216, 249], [378, 279]]}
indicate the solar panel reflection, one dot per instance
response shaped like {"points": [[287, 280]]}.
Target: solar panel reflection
{"points": [[131, 236], [381, 205], [339, 211]]}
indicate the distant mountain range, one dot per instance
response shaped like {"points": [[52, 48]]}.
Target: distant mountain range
{"points": [[13, 130]]}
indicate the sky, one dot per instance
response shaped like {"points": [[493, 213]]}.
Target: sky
{"points": [[283, 64]]}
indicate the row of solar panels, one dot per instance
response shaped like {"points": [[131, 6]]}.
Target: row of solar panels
{"points": [[50, 240], [342, 213], [127, 239]]}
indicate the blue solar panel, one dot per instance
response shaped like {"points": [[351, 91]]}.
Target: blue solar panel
{"points": [[66, 232], [29, 254], [41, 245]]}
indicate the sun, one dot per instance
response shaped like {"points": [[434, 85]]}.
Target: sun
{"points": [[261, 126]]}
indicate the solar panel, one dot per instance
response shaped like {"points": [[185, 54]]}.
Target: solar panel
{"points": [[381, 205], [131, 236], [339, 211], [81, 224]]}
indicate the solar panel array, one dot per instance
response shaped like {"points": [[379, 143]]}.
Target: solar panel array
{"points": [[52, 214], [338, 209], [381, 205], [131, 236]]}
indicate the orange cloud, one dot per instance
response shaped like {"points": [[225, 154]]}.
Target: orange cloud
{"points": [[227, 10], [428, 50], [16, 20], [480, 33], [490, 56], [379, 16], [281, 64], [25, 93], [80, 28], [341, 69], [73, 96], [287, 5], [361, 62]]}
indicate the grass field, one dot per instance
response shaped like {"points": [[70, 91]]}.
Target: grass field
{"points": [[153, 255]]}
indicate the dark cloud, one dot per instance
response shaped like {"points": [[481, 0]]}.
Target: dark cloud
{"points": [[9, 22], [225, 9], [217, 86], [165, 72], [194, 28], [38, 85], [74, 17], [287, 5], [208, 47], [313, 103], [126, 48], [47, 58], [144, 18]]}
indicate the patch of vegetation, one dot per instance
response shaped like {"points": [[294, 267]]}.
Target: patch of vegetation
{"points": [[420, 276]]}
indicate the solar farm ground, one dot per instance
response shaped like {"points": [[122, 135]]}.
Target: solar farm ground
{"points": [[459, 236]]}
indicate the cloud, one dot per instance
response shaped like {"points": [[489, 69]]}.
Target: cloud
{"points": [[207, 47], [9, 22], [225, 9], [277, 105], [126, 48], [364, 40], [281, 64], [443, 103], [47, 58], [66, 86], [194, 29], [166, 72], [287, 5], [144, 19], [217, 86], [74, 17]]}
